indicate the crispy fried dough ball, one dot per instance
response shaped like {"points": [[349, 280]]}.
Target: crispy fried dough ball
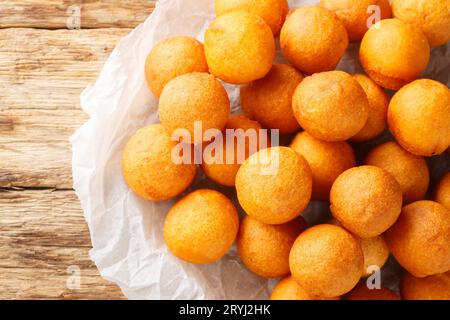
{"points": [[274, 185], [331, 106], [420, 239], [288, 289], [431, 16], [171, 58], [435, 287], [375, 250], [147, 165], [410, 171], [264, 248], [419, 117], [443, 191], [362, 292], [326, 159], [201, 227], [272, 11], [313, 39], [194, 97], [394, 53], [326, 260], [356, 14], [366, 200], [239, 47], [378, 106], [216, 166], [269, 100]]}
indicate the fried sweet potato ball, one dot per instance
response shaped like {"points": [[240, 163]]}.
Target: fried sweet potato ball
{"points": [[201, 227], [289, 289], [313, 39], [366, 200], [216, 167], [272, 11], [331, 106], [326, 159], [191, 98], [362, 292], [442, 194], [239, 47], [420, 239], [171, 58], [274, 185], [419, 117], [264, 248], [356, 14], [378, 106], [435, 287], [410, 171], [326, 260], [375, 251], [394, 53], [431, 16], [147, 165], [269, 100]]}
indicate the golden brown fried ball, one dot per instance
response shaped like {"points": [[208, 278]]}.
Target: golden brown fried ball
{"points": [[378, 106], [216, 166], [272, 11], [274, 185], [394, 53], [288, 289], [362, 292], [313, 39], [201, 227], [326, 260], [366, 200], [419, 117], [375, 251], [171, 58], [331, 106], [356, 14], [420, 239], [264, 248], [431, 16], [435, 287], [269, 100], [239, 47], [194, 97], [147, 165], [326, 159], [410, 171], [443, 191]]}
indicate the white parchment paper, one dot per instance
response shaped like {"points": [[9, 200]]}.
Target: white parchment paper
{"points": [[126, 231]]}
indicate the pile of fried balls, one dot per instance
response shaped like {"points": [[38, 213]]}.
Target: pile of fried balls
{"points": [[382, 205]]}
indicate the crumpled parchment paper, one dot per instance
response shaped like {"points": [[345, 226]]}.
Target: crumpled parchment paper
{"points": [[126, 231]]}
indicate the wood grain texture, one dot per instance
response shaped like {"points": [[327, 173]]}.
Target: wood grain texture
{"points": [[40, 84], [43, 239], [42, 73], [50, 68], [55, 14]]}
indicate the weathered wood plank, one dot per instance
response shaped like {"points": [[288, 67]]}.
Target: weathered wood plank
{"points": [[43, 238], [39, 217], [44, 69], [35, 283], [34, 147], [41, 79], [56, 14]]}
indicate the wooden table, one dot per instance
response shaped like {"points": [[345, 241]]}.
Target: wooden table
{"points": [[44, 66]]}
